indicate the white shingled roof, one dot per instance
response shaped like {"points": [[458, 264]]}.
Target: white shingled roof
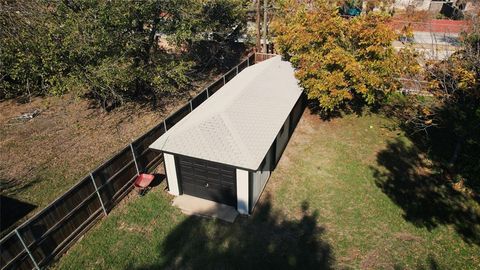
{"points": [[238, 124]]}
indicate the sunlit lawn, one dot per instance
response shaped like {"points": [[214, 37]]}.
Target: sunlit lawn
{"points": [[347, 194]]}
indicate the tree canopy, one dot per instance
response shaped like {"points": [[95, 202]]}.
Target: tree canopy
{"points": [[446, 123], [452, 119], [338, 60], [110, 50]]}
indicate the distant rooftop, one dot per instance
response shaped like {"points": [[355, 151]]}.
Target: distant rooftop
{"points": [[238, 124]]}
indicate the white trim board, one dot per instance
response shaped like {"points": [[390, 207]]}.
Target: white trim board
{"points": [[171, 172], [242, 192]]}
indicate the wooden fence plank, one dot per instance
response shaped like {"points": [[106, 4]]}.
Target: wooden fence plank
{"points": [[177, 116]]}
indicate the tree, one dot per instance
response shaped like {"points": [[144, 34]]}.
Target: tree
{"points": [[264, 26], [257, 22], [339, 61], [446, 125], [109, 50], [208, 30], [24, 39], [455, 113]]}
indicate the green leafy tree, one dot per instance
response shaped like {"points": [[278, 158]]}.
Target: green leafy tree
{"points": [[209, 29], [115, 47], [27, 56], [111, 51]]}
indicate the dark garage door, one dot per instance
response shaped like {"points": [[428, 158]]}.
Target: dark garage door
{"points": [[207, 180]]}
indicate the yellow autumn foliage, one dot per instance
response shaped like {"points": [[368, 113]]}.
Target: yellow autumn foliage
{"points": [[338, 59]]}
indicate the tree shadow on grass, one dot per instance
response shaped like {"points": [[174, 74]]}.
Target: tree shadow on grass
{"points": [[427, 197], [262, 241]]}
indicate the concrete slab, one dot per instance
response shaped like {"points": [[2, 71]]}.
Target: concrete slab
{"points": [[451, 39], [200, 207]]}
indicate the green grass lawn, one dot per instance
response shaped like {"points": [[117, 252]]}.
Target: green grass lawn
{"points": [[351, 193]]}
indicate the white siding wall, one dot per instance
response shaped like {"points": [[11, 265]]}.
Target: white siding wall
{"points": [[171, 174], [242, 192]]}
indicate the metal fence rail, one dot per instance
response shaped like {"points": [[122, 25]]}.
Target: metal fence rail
{"points": [[50, 232]]}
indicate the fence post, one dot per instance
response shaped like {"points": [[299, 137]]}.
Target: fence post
{"points": [[26, 249], [248, 61], [236, 68], [165, 125], [134, 159], [98, 193], [191, 106], [223, 79], [208, 94]]}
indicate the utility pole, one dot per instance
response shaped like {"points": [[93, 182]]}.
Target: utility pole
{"points": [[265, 3], [258, 46]]}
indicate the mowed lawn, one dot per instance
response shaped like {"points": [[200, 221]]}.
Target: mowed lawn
{"points": [[350, 193]]}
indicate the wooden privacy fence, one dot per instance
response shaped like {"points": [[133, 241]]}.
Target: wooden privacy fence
{"points": [[53, 230], [259, 57]]}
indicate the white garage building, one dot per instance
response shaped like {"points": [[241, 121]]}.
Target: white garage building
{"points": [[226, 148]]}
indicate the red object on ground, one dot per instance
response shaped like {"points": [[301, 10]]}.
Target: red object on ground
{"points": [[142, 182]]}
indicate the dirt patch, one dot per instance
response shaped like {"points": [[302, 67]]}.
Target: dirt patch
{"points": [[352, 255], [404, 236], [135, 228], [309, 122], [375, 259]]}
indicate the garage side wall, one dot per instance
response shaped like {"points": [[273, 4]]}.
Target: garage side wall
{"points": [[282, 140], [297, 112], [258, 179]]}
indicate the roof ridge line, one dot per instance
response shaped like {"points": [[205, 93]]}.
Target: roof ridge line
{"points": [[230, 127]]}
